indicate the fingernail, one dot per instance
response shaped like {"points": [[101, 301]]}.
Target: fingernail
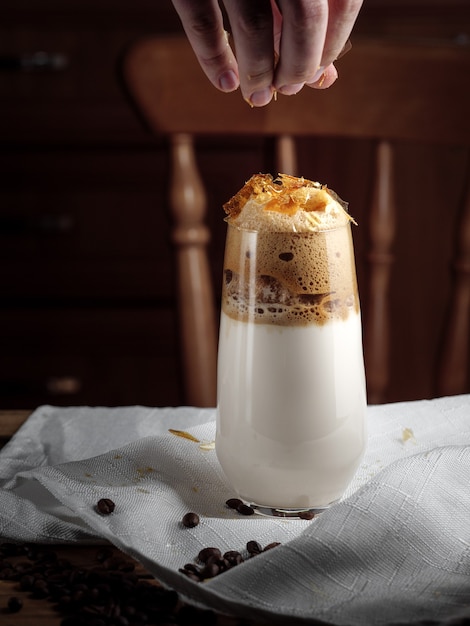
{"points": [[318, 74], [326, 79], [228, 81], [291, 90], [261, 98]]}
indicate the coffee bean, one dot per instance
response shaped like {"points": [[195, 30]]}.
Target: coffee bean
{"points": [[224, 564], [26, 582], [214, 563], [190, 567], [254, 547], [245, 509], [107, 594], [23, 567], [14, 604], [192, 575], [40, 588], [105, 506], [233, 503], [210, 571], [7, 573], [190, 520], [233, 557], [206, 553], [306, 515]]}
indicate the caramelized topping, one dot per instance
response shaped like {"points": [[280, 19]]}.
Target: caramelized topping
{"points": [[284, 194]]}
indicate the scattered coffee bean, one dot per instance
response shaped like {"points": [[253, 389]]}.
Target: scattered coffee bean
{"points": [[233, 557], [306, 515], [233, 503], [206, 553], [14, 604], [26, 582], [214, 563], [190, 520], [253, 548], [245, 509], [190, 567], [193, 574], [105, 506], [210, 570], [240, 506], [109, 593], [40, 588]]}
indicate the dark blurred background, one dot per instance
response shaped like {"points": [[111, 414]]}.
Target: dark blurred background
{"points": [[87, 302]]}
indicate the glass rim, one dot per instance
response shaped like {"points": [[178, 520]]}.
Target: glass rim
{"points": [[287, 232]]}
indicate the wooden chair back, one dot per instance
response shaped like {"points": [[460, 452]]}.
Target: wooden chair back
{"points": [[388, 91]]}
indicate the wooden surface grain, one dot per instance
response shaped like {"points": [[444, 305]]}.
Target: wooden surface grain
{"points": [[44, 612], [10, 421]]}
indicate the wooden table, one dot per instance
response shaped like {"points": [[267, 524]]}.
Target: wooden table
{"points": [[10, 421], [38, 611]]}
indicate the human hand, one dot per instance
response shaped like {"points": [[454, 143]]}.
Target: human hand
{"points": [[280, 45]]}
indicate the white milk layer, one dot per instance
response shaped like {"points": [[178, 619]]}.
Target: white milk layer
{"points": [[291, 427]]}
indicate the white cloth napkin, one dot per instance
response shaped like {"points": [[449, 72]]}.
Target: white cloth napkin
{"points": [[396, 549]]}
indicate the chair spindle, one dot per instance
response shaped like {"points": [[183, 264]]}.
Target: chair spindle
{"points": [[453, 373], [196, 298], [286, 155], [380, 257]]}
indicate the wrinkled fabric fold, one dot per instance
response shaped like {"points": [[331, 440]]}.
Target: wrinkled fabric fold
{"points": [[395, 549]]}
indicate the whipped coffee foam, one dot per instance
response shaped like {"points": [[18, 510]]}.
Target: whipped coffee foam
{"points": [[285, 204], [291, 389], [305, 273]]}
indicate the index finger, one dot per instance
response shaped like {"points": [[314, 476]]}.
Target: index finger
{"points": [[203, 24], [304, 28], [314, 33], [341, 18], [251, 22]]}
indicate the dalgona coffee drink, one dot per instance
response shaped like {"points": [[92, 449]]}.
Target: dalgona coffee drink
{"points": [[291, 390]]}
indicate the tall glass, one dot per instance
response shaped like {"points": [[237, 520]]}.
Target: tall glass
{"points": [[291, 388]]}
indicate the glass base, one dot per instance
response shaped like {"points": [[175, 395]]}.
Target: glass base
{"points": [[307, 514]]}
